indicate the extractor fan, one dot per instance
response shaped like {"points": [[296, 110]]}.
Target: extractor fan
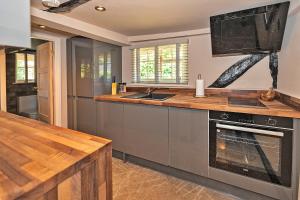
{"points": [[51, 3], [61, 6]]}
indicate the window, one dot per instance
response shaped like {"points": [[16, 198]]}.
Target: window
{"points": [[162, 64], [25, 68], [31, 68], [20, 68]]}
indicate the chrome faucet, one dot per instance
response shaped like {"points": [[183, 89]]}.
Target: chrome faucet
{"points": [[150, 90]]}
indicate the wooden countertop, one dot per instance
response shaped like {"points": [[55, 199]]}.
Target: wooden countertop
{"points": [[34, 157], [274, 108]]}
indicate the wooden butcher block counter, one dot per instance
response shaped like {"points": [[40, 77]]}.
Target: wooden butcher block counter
{"points": [[218, 103], [39, 161]]}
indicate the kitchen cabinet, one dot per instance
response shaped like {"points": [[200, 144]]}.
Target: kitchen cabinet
{"points": [[70, 101], [82, 54], [146, 132], [188, 131], [90, 67], [107, 64], [110, 123], [86, 115]]}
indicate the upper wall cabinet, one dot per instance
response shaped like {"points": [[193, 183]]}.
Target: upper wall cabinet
{"points": [[92, 66], [82, 55], [15, 23]]}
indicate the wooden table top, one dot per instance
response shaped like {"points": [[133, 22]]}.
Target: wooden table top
{"points": [[33, 154], [273, 108]]}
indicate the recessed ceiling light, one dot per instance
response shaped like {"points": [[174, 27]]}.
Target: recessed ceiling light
{"points": [[42, 26], [100, 8]]}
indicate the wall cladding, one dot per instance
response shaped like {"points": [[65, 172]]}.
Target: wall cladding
{"points": [[241, 67], [15, 90], [237, 70], [273, 65]]}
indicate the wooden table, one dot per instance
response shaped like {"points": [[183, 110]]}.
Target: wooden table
{"points": [[43, 162]]}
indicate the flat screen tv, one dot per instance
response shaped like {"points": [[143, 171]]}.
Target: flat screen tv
{"points": [[255, 30]]}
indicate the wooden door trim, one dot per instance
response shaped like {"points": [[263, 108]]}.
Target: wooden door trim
{"points": [[51, 85], [48, 45]]}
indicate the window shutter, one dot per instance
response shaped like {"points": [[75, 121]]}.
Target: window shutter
{"points": [[183, 73], [161, 64]]}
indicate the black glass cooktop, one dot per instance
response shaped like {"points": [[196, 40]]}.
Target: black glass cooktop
{"points": [[245, 102]]}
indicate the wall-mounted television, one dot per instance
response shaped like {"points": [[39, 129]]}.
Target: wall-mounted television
{"points": [[249, 31]]}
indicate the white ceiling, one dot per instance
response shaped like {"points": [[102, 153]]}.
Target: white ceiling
{"points": [[139, 17]]}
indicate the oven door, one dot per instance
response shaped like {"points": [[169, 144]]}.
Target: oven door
{"points": [[261, 153]]}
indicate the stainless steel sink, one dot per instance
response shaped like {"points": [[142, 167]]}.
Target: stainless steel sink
{"points": [[152, 96]]}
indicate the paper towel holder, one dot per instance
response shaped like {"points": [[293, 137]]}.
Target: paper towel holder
{"points": [[199, 96]]}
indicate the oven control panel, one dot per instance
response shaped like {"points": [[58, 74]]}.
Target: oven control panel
{"points": [[225, 116], [270, 121], [248, 121]]}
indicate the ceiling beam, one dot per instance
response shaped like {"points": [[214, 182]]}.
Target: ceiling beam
{"points": [[77, 27], [140, 38]]}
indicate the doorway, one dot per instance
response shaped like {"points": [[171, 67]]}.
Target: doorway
{"points": [[29, 81]]}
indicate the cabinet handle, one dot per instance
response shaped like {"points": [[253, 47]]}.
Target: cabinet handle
{"points": [[251, 130]]}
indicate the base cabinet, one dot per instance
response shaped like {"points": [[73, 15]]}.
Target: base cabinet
{"points": [[188, 131], [146, 132], [170, 136], [110, 123], [86, 115]]}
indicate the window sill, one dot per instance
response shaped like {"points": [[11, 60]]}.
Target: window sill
{"points": [[26, 83], [158, 85]]}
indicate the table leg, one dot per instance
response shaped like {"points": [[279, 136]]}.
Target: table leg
{"points": [[96, 179], [51, 195]]}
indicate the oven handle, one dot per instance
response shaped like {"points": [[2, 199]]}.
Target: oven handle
{"points": [[253, 130]]}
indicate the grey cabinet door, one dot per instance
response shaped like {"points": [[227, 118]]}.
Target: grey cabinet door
{"points": [[70, 70], [80, 67], [70, 112], [107, 64], [86, 115], [110, 123], [188, 131], [146, 132]]}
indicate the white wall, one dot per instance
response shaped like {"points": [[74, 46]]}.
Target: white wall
{"points": [[201, 61], [15, 23], [289, 60]]}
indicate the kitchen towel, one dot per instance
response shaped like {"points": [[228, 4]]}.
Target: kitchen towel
{"points": [[199, 88]]}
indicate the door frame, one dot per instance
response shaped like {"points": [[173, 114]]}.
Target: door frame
{"points": [[3, 100], [59, 74]]}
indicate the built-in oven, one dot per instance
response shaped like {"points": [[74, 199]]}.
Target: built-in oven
{"points": [[252, 145]]}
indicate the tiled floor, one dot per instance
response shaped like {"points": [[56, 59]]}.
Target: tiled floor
{"points": [[132, 182]]}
